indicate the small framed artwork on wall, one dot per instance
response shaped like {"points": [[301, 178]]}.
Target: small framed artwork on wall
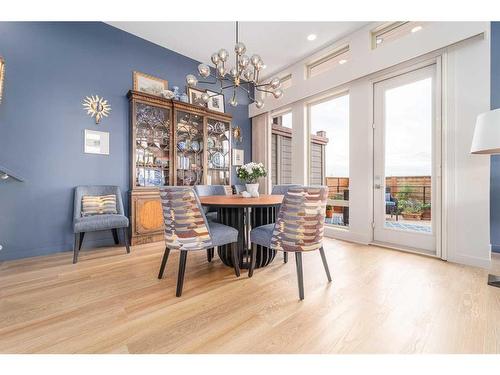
{"points": [[149, 84], [216, 101], [96, 142], [195, 96], [238, 157]]}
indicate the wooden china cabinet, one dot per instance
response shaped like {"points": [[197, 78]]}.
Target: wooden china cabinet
{"points": [[172, 143]]}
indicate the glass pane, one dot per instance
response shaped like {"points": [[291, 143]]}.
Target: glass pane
{"points": [[152, 145], [218, 152], [190, 153], [328, 63], [286, 120], [281, 172], [330, 120], [394, 31], [274, 159], [408, 156]]}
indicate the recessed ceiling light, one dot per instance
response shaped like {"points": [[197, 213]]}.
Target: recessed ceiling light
{"points": [[311, 37], [379, 40], [416, 28], [343, 61]]}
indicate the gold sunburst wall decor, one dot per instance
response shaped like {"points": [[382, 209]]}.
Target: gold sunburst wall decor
{"points": [[237, 136], [96, 107]]}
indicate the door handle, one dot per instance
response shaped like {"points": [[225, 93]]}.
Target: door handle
{"points": [[378, 186]]}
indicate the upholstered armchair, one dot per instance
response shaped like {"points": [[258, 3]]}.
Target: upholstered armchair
{"points": [[238, 188], [92, 223], [282, 189], [210, 212], [299, 228], [203, 191], [391, 204], [187, 229]]}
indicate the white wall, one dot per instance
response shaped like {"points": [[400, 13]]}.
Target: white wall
{"points": [[467, 189], [465, 94], [365, 60]]}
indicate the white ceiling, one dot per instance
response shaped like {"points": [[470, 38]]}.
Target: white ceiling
{"points": [[280, 44]]}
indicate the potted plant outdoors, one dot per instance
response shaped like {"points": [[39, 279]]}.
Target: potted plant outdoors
{"points": [[340, 197], [411, 209], [403, 194], [329, 211], [426, 214], [250, 173]]}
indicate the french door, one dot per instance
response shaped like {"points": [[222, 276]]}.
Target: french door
{"points": [[407, 161]]}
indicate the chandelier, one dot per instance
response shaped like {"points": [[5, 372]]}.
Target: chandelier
{"points": [[244, 75]]}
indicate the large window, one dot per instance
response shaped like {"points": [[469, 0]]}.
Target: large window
{"points": [[281, 149], [329, 119], [284, 120]]}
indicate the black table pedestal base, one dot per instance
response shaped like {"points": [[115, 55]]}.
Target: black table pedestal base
{"points": [[236, 217]]}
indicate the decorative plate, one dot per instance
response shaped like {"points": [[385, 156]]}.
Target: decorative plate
{"points": [[218, 160], [195, 146], [181, 145], [219, 127], [167, 94], [210, 142], [193, 131]]}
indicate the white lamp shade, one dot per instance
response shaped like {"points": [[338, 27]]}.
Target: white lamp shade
{"points": [[486, 138]]}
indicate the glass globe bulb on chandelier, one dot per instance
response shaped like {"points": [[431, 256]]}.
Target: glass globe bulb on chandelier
{"points": [[244, 75]]}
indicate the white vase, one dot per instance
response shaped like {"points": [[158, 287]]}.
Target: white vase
{"points": [[253, 189]]}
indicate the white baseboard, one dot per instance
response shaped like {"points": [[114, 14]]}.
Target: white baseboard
{"points": [[346, 235], [470, 261]]}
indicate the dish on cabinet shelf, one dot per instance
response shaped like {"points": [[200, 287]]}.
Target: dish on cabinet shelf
{"points": [[211, 142], [181, 145], [218, 160], [195, 146], [219, 127]]}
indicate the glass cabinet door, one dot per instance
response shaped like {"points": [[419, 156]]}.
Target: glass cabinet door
{"points": [[152, 145], [218, 150], [190, 153]]}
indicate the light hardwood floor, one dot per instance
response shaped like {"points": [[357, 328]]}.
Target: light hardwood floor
{"points": [[380, 301]]}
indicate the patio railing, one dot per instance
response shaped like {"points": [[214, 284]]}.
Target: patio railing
{"points": [[419, 193], [416, 188]]}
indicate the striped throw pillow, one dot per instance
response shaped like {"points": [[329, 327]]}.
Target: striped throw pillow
{"points": [[98, 205]]}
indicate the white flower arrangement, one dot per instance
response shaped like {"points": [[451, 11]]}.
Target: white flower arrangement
{"points": [[251, 172]]}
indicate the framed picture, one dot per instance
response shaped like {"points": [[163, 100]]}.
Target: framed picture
{"points": [[150, 85], [238, 157], [96, 142], [2, 76], [195, 96], [216, 102]]}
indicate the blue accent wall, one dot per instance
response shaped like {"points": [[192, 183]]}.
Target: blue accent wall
{"points": [[495, 160], [50, 68]]}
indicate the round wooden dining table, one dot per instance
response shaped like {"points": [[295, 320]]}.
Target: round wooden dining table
{"points": [[244, 214]]}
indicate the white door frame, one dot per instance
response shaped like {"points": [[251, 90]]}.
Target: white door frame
{"points": [[438, 214]]}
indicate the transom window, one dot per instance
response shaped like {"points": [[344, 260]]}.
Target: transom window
{"points": [[391, 31], [338, 57]]}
